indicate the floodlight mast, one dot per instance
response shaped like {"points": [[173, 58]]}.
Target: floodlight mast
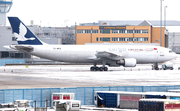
{"points": [[161, 22]]}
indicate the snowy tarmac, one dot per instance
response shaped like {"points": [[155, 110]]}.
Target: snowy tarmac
{"points": [[45, 76]]}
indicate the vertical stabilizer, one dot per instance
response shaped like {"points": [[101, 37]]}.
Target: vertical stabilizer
{"points": [[22, 33]]}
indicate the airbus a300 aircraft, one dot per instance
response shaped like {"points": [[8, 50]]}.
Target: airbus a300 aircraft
{"points": [[111, 55]]}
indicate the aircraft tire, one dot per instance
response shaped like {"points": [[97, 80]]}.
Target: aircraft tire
{"points": [[101, 69], [156, 68], [92, 69], [105, 69], [96, 68]]}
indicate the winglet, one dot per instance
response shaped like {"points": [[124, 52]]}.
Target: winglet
{"points": [[22, 33]]}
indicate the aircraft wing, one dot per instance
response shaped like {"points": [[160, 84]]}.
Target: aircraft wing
{"points": [[106, 55], [109, 55]]}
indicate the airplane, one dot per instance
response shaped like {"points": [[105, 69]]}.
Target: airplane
{"points": [[111, 55]]}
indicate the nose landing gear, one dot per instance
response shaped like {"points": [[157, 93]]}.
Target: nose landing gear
{"points": [[155, 66]]}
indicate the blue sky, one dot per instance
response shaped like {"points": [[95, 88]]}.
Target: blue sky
{"points": [[62, 12]]}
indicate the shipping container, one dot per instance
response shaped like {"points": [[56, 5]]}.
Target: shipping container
{"points": [[159, 105], [117, 99], [67, 105], [128, 100], [61, 96]]}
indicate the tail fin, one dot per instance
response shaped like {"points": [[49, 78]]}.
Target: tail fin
{"points": [[22, 33]]}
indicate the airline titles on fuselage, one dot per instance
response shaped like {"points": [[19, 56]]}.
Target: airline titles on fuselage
{"points": [[147, 49], [117, 49], [132, 49]]}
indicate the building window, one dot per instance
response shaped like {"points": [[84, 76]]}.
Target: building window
{"points": [[130, 39], [137, 31], [13, 38], [96, 38], [145, 39], [115, 31], [115, 39], [106, 31], [87, 31], [140, 39], [126, 39], [135, 39], [8, 28], [46, 33], [121, 31], [94, 31], [144, 31], [79, 31], [104, 39], [121, 39], [129, 31]]}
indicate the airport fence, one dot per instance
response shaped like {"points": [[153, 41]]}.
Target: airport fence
{"points": [[84, 94], [11, 61]]}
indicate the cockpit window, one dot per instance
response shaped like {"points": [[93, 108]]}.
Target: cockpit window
{"points": [[170, 51]]}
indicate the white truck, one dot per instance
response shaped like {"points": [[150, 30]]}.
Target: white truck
{"points": [[167, 65]]}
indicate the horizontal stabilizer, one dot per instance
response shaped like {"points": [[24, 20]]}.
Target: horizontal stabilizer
{"points": [[25, 48], [7, 47]]}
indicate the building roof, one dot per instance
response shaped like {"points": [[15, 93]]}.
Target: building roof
{"points": [[132, 23], [145, 23]]}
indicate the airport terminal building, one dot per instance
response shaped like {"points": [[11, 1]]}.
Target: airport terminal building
{"points": [[120, 33]]}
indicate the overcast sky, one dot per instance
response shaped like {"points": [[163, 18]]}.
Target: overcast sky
{"points": [[62, 12]]}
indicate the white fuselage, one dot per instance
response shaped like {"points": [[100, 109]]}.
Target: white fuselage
{"points": [[84, 53]]}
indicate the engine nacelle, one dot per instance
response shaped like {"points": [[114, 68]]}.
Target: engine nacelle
{"points": [[127, 62]]}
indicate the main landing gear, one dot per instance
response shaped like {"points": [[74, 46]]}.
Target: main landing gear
{"points": [[95, 68], [103, 68], [155, 66]]}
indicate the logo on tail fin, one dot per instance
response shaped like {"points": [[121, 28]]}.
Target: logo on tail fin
{"points": [[22, 33]]}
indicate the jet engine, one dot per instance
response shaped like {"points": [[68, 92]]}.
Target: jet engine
{"points": [[127, 62]]}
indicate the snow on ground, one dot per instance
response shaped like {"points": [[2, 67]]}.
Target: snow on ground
{"points": [[79, 75]]}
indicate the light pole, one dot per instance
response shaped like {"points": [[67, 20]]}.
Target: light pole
{"points": [[161, 22], [165, 17]]}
